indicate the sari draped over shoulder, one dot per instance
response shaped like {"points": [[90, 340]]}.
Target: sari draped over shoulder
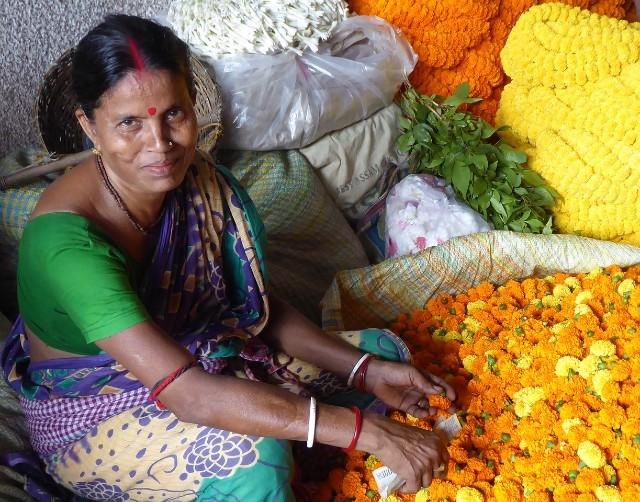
{"points": [[215, 310]]}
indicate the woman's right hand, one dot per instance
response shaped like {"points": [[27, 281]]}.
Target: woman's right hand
{"points": [[412, 453]]}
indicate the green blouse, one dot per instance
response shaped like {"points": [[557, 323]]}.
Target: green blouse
{"points": [[75, 286]]}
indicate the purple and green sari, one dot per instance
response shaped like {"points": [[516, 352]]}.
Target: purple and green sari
{"points": [[91, 421]]}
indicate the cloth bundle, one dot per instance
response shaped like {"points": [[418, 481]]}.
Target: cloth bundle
{"points": [[422, 211]]}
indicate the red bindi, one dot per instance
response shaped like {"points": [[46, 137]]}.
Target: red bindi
{"points": [[152, 110]]}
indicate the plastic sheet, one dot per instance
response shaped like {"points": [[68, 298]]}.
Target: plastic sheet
{"points": [[287, 100]]}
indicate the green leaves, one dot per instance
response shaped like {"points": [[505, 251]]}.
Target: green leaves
{"points": [[461, 177], [484, 171], [460, 96]]}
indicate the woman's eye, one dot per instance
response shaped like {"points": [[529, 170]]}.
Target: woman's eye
{"points": [[174, 113], [127, 123]]}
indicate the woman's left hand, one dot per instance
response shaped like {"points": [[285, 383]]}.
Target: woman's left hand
{"points": [[405, 387]]}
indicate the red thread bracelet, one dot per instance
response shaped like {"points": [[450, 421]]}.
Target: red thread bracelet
{"points": [[362, 375], [356, 431], [163, 383]]}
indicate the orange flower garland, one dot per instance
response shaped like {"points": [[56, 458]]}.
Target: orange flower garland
{"points": [[460, 40], [547, 373]]}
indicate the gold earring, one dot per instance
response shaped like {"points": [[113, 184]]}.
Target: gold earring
{"points": [[96, 151]]}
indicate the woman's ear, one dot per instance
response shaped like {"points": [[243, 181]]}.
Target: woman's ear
{"points": [[88, 126]]}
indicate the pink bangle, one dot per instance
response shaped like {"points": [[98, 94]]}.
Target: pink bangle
{"points": [[356, 431]]}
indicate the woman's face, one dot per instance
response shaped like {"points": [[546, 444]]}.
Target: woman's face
{"points": [[146, 130]]}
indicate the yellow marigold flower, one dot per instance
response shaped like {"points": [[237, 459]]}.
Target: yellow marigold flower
{"points": [[565, 364], [594, 273], [600, 379], [411, 419], [524, 362], [591, 455], [556, 329], [467, 336], [391, 498], [468, 494], [550, 301], [467, 362], [609, 472], [525, 399], [472, 324], [477, 305], [626, 287], [422, 495], [608, 494], [602, 348], [572, 282], [569, 423], [372, 462], [451, 336], [583, 296], [588, 366], [582, 309], [561, 290]]}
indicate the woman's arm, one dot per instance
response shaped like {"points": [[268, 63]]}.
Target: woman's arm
{"points": [[401, 386], [249, 407], [292, 333], [221, 401]]}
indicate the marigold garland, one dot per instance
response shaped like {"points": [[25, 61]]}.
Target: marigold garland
{"points": [[549, 397], [572, 106], [460, 40]]}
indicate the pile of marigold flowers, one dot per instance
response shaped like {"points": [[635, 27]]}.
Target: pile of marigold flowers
{"points": [[547, 373], [460, 40]]}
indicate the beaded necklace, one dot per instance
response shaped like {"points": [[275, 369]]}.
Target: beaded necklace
{"points": [[114, 193]]}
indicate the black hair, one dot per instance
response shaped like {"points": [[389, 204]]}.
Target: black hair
{"points": [[105, 55]]}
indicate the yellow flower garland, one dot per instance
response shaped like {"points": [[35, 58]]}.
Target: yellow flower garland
{"points": [[574, 105]]}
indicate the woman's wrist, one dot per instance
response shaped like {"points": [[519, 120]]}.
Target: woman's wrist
{"points": [[374, 369], [373, 433]]}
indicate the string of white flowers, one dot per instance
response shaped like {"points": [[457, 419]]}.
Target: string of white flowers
{"points": [[216, 28]]}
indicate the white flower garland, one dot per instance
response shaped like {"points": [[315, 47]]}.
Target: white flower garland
{"points": [[216, 28]]}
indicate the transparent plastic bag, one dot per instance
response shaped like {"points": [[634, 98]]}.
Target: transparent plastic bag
{"points": [[422, 211], [286, 100]]}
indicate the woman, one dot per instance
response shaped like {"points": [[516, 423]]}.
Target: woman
{"points": [[150, 360]]}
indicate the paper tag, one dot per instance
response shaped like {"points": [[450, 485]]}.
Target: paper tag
{"points": [[449, 427], [388, 481]]}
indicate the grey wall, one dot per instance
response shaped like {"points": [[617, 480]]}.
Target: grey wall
{"points": [[34, 33]]}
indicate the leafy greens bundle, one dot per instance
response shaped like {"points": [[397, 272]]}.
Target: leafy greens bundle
{"points": [[484, 171]]}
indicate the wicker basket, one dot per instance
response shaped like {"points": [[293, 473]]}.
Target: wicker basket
{"points": [[61, 133]]}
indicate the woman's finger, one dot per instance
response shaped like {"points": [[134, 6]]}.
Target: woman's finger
{"points": [[423, 383], [451, 394], [416, 411], [440, 471], [427, 477]]}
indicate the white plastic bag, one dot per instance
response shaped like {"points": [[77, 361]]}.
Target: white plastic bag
{"points": [[422, 211], [287, 100]]}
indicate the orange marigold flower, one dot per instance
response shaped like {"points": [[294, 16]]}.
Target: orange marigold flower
{"points": [[442, 490], [439, 402], [586, 497], [351, 483], [589, 479]]}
